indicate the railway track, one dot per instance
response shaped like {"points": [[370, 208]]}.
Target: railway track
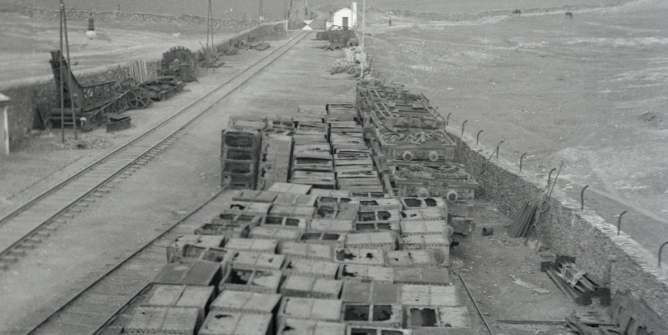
{"points": [[94, 306], [24, 228]]}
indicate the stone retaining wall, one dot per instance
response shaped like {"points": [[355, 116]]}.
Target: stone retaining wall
{"points": [[32, 95], [567, 230]]}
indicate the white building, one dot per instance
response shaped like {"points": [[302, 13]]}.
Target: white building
{"points": [[344, 17]]}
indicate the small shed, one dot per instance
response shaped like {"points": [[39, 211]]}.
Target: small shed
{"points": [[344, 17]]}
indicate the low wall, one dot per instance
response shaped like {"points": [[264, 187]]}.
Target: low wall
{"points": [[567, 230], [114, 16], [31, 96]]}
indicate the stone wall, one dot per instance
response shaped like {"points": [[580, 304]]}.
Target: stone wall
{"points": [[114, 16], [34, 95], [567, 230]]}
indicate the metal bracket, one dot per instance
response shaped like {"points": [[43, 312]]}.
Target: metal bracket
{"points": [[522, 158], [461, 137], [477, 138], [619, 222], [661, 249], [582, 197], [497, 148]]}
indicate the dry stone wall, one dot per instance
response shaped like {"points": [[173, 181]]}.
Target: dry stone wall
{"points": [[114, 16], [567, 230]]}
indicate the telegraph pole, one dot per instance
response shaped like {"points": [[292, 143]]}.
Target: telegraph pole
{"points": [[261, 12], [362, 44], [209, 31]]}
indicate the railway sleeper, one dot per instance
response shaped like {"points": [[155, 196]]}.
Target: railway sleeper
{"points": [[34, 239], [43, 233], [26, 245]]}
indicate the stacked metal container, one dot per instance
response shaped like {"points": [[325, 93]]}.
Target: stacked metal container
{"points": [[240, 155], [312, 160], [389, 276], [414, 151]]}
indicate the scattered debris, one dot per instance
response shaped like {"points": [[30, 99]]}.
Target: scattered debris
{"points": [[118, 123], [520, 226], [629, 314], [87, 105], [178, 62], [575, 283], [83, 142]]}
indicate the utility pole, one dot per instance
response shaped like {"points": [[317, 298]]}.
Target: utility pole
{"points": [[261, 12], [362, 44], [66, 47], [60, 69]]}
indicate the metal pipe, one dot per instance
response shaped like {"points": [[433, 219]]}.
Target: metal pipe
{"points": [[619, 222], [521, 158], [477, 138], [582, 199], [482, 316], [661, 249]]}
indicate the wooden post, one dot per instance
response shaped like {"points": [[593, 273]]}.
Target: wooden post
{"points": [[4, 128]]}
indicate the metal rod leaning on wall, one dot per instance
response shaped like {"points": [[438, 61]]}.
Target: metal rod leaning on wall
{"points": [[482, 316], [545, 204], [619, 222]]}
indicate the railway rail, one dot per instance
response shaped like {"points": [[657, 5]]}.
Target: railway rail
{"points": [[23, 228], [97, 305]]}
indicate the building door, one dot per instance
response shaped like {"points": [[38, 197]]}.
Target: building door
{"points": [[345, 22]]}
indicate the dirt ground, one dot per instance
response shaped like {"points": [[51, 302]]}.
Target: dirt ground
{"points": [[272, 10], [25, 43], [589, 91]]}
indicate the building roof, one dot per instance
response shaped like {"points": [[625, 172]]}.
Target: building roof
{"points": [[340, 9], [4, 100]]}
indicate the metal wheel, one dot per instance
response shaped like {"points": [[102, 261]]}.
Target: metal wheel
{"points": [[138, 98]]}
